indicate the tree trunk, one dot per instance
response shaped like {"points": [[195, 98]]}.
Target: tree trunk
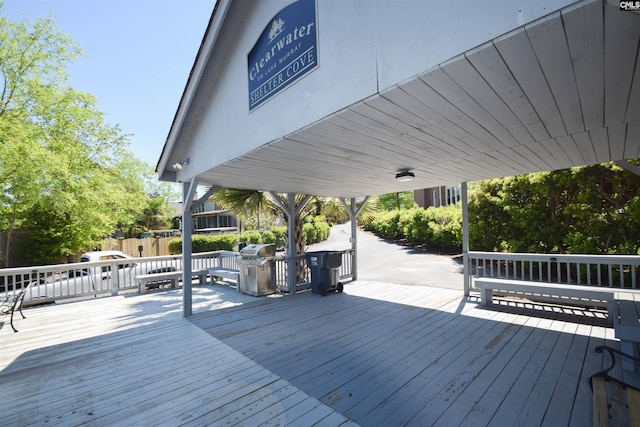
{"points": [[7, 244], [301, 265], [7, 240]]}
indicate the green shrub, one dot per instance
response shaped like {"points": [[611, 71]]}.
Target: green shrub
{"points": [[310, 233], [438, 228], [280, 234], [175, 246], [386, 224], [251, 237], [322, 230], [268, 237], [206, 243], [315, 232]]}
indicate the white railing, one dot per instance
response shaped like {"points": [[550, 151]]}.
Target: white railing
{"points": [[62, 281], [614, 271], [346, 270]]}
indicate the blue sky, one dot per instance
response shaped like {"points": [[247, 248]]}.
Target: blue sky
{"points": [[140, 53]]}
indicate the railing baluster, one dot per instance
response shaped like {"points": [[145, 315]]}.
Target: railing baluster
{"points": [[578, 273], [610, 276]]}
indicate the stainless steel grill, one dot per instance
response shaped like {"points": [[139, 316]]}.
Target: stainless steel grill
{"points": [[257, 252], [257, 269]]}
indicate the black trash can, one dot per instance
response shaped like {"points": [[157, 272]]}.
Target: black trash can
{"points": [[325, 271]]}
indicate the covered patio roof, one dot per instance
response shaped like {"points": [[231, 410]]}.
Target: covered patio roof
{"points": [[559, 91]]}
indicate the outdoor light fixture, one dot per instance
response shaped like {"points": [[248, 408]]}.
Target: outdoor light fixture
{"points": [[405, 176], [180, 164]]}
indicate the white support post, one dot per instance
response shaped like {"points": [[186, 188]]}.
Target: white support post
{"points": [[354, 212], [465, 240], [188, 191], [354, 240], [115, 280], [291, 243]]}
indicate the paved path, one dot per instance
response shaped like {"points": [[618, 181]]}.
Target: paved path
{"points": [[381, 261]]}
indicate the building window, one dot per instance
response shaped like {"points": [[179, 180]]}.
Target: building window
{"points": [[454, 194]]}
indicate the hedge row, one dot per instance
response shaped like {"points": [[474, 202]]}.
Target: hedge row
{"points": [[206, 243], [314, 232], [437, 228]]}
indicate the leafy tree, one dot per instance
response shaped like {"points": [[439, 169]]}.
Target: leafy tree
{"points": [[60, 163], [148, 212], [402, 200], [590, 209], [334, 212]]}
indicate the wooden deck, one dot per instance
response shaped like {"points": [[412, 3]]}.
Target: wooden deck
{"points": [[377, 354]]}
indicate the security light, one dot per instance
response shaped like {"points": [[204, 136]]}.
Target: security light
{"points": [[180, 164], [405, 176]]}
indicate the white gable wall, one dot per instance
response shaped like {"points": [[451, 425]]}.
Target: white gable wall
{"points": [[364, 47]]}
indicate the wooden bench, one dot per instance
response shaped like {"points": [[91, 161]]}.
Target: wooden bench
{"points": [[10, 303], [227, 273], [548, 292], [626, 324], [615, 402], [168, 276]]}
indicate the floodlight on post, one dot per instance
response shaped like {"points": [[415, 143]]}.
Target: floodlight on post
{"points": [[405, 176]]}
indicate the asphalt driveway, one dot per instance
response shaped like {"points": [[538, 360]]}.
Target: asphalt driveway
{"points": [[380, 260]]}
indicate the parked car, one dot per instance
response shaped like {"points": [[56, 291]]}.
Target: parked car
{"points": [[82, 281], [78, 281]]}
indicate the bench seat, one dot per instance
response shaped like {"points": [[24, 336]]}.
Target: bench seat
{"points": [[10, 303], [626, 325], [548, 292], [227, 273], [615, 401], [173, 276]]}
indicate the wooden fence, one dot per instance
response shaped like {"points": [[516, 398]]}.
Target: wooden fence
{"points": [[151, 246]]}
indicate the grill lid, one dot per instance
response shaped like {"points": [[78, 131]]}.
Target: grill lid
{"points": [[258, 251]]}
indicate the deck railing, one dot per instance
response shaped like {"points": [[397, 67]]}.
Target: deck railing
{"points": [[304, 281], [63, 281], [614, 271]]}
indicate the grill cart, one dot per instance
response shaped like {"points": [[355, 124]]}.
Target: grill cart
{"points": [[257, 270]]}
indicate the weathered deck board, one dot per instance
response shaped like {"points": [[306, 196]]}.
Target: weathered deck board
{"points": [[425, 356], [136, 361], [378, 354]]}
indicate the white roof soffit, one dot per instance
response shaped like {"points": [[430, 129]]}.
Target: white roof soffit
{"points": [[559, 92]]}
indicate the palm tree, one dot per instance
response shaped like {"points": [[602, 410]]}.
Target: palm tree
{"points": [[244, 203]]}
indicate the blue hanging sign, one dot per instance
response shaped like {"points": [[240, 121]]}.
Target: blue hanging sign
{"points": [[286, 51]]}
